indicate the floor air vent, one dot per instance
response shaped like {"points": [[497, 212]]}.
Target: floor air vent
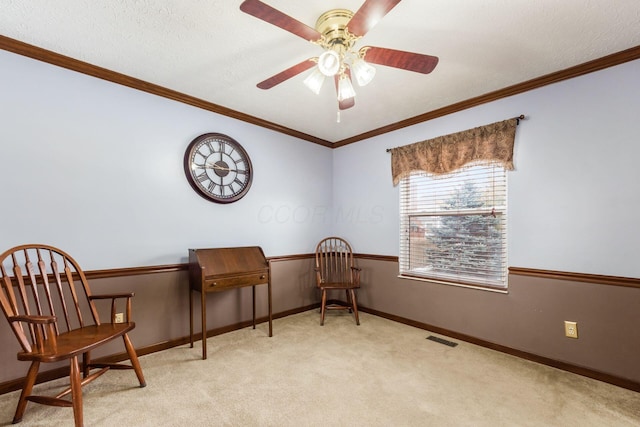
{"points": [[442, 341]]}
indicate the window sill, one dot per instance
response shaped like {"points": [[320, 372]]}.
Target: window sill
{"points": [[459, 285]]}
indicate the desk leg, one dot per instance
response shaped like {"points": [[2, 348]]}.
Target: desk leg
{"points": [[253, 296], [190, 317], [270, 311], [203, 303]]}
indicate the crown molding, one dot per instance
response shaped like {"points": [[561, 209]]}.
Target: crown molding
{"points": [[568, 73], [69, 63], [72, 64]]}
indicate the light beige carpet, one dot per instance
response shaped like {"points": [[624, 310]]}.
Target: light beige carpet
{"points": [[380, 373]]}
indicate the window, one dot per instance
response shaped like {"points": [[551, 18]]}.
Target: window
{"points": [[454, 227]]}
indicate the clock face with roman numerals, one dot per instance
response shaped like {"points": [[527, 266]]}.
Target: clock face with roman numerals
{"points": [[218, 168]]}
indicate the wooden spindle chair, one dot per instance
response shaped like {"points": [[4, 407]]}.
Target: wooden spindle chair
{"points": [[335, 269], [46, 298]]}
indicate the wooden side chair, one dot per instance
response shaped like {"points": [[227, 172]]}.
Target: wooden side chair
{"points": [[46, 298], [335, 269]]}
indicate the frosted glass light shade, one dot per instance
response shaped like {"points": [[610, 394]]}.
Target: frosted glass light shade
{"points": [[314, 81], [329, 63], [345, 88], [363, 71]]}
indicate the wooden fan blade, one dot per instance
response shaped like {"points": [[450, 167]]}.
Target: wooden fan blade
{"points": [[400, 59], [345, 103], [273, 16], [369, 14], [286, 74]]}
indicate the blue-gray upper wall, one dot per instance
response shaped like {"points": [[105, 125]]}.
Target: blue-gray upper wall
{"points": [[96, 169]]}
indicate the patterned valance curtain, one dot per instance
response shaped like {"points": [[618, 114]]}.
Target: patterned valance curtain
{"points": [[447, 153]]}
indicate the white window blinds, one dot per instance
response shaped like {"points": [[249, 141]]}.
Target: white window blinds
{"points": [[454, 227]]}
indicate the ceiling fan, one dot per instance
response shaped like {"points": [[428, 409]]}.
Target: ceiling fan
{"points": [[336, 32]]}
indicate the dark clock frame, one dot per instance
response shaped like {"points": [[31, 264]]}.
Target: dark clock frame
{"points": [[225, 174]]}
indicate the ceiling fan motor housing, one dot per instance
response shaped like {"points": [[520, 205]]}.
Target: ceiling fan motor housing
{"points": [[333, 27]]}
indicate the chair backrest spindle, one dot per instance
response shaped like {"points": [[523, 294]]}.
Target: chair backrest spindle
{"points": [[34, 282], [17, 272], [72, 288], [63, 300], [42, 268], [9, 303]]}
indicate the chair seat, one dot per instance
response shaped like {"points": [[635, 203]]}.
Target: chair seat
{"points": [[78, 341], [338, 285]]}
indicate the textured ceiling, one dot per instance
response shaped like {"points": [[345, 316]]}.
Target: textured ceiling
{"points": [[212, 51]]}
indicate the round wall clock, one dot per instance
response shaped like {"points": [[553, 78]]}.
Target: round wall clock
{"points": [[218, 168]]}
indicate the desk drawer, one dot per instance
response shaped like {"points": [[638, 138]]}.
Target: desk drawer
{"points": [[236, 281]]}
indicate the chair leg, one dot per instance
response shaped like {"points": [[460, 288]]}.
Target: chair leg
{"points": [[76, 391], [26, 391], [355, 305], [323, 306], [349, 303], [86, 360], [134, 359]]}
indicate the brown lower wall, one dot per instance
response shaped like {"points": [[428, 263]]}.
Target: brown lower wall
{"points": [[161, 308], [527, 321]]}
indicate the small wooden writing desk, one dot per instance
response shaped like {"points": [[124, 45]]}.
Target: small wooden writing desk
{"points": [[222, 269]]}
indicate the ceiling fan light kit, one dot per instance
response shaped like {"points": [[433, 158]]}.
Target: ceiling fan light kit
{"points": [[363, 71], [345, 88], [329, 63], [314, 81], [336, 32]]}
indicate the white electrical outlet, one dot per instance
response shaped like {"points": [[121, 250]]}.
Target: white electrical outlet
{"points": [[119, 318]]}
